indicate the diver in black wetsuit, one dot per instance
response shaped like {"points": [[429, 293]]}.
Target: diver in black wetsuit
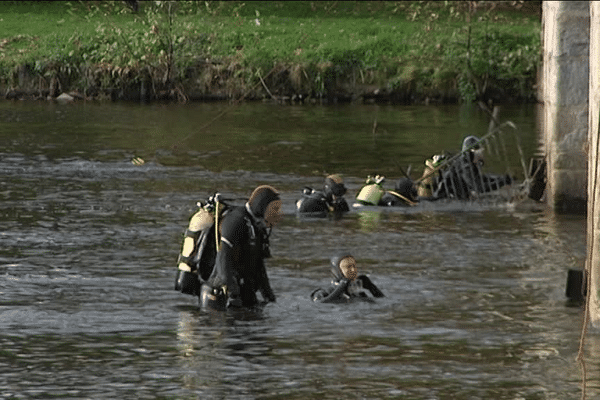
{"points": [[463, 178], [321, 203], [346, 285], [239, 270]]}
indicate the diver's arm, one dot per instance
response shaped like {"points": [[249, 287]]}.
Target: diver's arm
{"points": [[322, 296], [370, 286], [341, 205], [318, 295], [265, 286]]}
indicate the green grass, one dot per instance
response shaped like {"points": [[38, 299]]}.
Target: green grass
{"points": [[309, 47]]}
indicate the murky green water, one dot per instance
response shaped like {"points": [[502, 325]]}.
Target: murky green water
{"points": [[474, 304]]}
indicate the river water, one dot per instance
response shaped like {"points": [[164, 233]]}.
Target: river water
{"points": [[474, 308]]}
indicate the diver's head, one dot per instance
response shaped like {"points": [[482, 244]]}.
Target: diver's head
{"points": [[264, 202], [472, 145], [334, 186], [344, 266], [348, 267]]}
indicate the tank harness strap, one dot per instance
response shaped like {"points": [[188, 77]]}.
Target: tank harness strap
{"points": [[409, 202], [192, 234], [227, 241], [184, 259], [189, 246], [186, 262], [217, 241]]}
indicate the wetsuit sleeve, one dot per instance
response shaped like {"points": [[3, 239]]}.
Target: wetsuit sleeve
{"points": [[323, 296], [341, 205], [318, 295], [370, 286], [264, 284], [313, 203]]}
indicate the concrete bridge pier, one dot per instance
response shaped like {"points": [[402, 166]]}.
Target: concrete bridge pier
{"points": [[593, 217], [571, 93], [566, 43]]}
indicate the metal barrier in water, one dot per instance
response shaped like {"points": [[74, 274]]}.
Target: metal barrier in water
{"points": [[460, 176]]}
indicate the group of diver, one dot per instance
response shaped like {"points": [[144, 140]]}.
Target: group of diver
{"points": [[445, 176], [223, 253]]}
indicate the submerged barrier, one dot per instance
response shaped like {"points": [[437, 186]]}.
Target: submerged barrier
{"points": [[502, 139]]}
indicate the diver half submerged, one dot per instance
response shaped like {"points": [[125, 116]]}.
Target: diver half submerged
{"points": [[346, 285], [374, 194], [318, 203], [461, 176]]}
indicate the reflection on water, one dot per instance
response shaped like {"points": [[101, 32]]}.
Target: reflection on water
{"points": [[474, 304]]}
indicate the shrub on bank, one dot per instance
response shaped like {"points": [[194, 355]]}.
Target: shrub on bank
{"points": [[399, 51]]}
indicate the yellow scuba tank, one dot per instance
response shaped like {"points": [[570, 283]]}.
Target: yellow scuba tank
{"points": [[186, 280], [201, 220], [190, 259], [428, 178], [371, 193]]}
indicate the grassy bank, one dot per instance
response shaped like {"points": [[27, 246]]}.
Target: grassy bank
{"points": [[187, 50]]}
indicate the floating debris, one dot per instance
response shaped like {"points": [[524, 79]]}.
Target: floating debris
{"points": [[138, 161]]}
